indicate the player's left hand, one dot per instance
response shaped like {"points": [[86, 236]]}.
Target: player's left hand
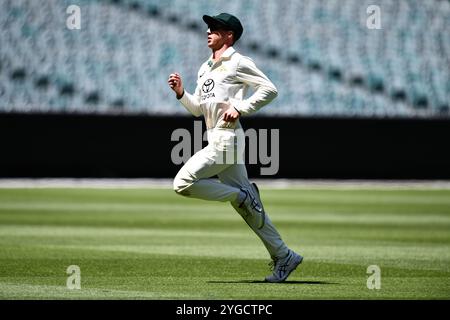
{"points": [[231, 115]]}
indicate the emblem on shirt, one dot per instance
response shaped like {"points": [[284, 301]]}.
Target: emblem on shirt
{"points": [[208, 85], [222, 69]]}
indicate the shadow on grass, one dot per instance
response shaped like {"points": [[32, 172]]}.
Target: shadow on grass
{"points": [[262, 281]]}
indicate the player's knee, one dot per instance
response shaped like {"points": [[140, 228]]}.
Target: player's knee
{"points": [[181, 186], [178, 185]]}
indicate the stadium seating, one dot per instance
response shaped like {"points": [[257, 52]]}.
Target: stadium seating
{"points": [[320, 54]]}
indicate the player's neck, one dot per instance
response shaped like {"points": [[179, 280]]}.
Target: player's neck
{"points": [[216, 54]]}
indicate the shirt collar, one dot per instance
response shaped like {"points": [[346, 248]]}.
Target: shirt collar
{"points": [[226, 55]]}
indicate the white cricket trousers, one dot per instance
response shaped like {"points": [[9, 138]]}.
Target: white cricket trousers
{"points": [[195, 180]]}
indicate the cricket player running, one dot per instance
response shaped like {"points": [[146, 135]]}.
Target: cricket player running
{"points": [[223, 81]]}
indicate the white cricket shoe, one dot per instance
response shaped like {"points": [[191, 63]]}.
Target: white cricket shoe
{"points": [[252, 206], [282, 268]]}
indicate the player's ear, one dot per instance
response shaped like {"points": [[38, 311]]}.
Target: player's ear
{"points": [[231, 36]]}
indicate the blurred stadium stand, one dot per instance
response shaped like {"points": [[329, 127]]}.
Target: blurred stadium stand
{"points": [[320, 54]]}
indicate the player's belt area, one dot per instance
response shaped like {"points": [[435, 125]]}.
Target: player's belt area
{"points": [[224, 125]]}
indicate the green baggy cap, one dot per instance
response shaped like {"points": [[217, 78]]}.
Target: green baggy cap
{"points": [[227, 21]]}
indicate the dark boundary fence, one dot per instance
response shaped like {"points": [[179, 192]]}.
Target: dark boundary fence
{"points": [[56, 145]]}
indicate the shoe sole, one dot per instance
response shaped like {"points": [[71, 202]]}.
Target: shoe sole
{"points": [[289, 273]]}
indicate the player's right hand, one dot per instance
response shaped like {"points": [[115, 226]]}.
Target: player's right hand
{"points": [[176, 84]]}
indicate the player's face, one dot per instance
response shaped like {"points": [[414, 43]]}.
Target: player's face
{"points": [[216, 38]]}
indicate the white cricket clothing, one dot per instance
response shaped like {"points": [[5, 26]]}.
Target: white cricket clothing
{"points": [[222, 85]]}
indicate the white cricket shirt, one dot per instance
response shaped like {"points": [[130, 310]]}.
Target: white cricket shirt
{"points": [[223, 84]]}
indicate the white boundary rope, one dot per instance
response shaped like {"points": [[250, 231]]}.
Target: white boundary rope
{"points": [[267, 183]]}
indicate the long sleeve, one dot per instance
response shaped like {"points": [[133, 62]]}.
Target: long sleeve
{"points": [[192, 102], [265, 90]]}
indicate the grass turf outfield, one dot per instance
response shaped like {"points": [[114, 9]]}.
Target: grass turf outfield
{"points": [[153, 244]]}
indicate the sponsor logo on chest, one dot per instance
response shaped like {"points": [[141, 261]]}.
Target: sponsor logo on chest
{"points": [[207, 89]]}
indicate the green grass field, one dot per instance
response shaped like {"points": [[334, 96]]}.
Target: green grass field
{"points": [[154, 244]]}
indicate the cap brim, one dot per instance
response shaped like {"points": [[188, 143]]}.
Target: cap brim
{"points": [[212, 21]]}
